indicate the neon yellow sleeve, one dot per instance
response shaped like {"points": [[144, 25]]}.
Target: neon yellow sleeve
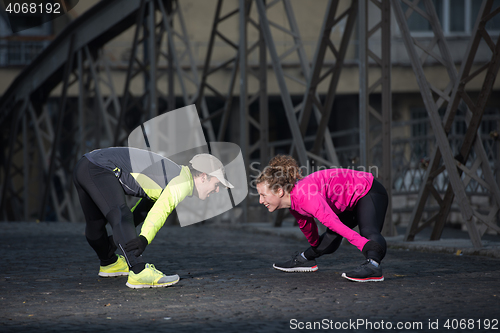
{"points": [[175, 191]]}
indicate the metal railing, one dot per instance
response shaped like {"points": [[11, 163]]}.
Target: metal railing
{"points": [[411, 154], [20, 53]]}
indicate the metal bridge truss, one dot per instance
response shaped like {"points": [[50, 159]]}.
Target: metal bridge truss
{"points": [[322, 150], [459, 171], [101, 116], [238, 62], [44, 139], [375, 125]]}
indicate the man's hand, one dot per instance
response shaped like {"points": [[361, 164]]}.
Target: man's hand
{"points": [[139, 244]]}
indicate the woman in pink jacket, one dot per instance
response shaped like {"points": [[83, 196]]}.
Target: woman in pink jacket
{"points": [[340, 199]]}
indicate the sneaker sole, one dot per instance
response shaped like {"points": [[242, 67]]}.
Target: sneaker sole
{"points": [[297, 269], [139, 286], [369, 279], [101, 274]]}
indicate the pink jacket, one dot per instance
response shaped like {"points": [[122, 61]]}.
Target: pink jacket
{"points": [[324, 194]]}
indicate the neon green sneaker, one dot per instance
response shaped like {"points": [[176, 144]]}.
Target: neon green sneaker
{"points": [[150, 277], [119, 268]]}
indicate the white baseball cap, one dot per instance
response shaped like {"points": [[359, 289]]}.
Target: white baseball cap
{"points": [[212, 166]]}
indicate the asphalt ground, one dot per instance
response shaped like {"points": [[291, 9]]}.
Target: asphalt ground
{"points": [[49, 283]]}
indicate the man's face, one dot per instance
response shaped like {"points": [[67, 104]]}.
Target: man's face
{"points": [[268, 198], [208, 187]]}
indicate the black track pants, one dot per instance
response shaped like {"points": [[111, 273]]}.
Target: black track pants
{"points": [[103, 200], [368, 214]]}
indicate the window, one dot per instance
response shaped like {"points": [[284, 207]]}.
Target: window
{"points": [[456, 17], [493, 24], [416, 22], [20, 48]]}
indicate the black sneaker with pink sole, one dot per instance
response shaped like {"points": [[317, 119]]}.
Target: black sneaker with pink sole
{"points": [[366, 272], [297, 264]]}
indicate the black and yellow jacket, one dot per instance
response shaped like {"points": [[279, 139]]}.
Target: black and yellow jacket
{"points": [[147, 175]]}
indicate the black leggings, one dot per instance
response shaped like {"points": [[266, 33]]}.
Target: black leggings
{"points": [[368, 214], [103, 200]]}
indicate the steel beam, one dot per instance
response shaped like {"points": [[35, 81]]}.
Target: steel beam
{"points": [[126, 91], [231, 63], [263, 101], [8, 192], [244, 6], [55, 143], [150, 60], [285, 95], [369, 57]]}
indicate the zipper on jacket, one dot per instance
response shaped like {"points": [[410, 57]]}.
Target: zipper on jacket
{"points": [[125, 185]]}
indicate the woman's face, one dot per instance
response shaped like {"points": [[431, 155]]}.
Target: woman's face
{"points": [[268, 198]]}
